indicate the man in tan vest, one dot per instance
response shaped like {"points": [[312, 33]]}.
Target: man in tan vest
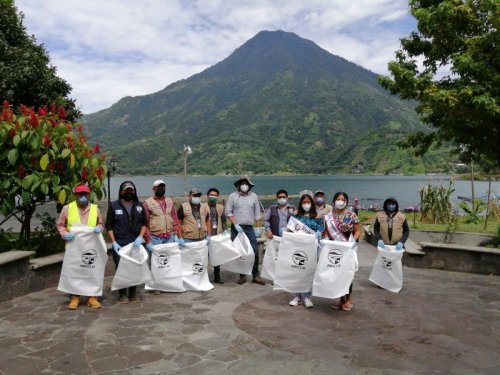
{"points": [[194, 218], [391, 227]]}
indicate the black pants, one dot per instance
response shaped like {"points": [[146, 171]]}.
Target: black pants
{"points": [[123, 292]]}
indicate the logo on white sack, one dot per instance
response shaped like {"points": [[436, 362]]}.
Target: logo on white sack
{"points": [[299, 259], [335, 257], [89, 257], [198, 268], [386, 263], [164, 260]]}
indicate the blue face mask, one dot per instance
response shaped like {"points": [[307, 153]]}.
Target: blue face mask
{"points": [[83, 199], [391, 207]]}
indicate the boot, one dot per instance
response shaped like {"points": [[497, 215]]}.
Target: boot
{"points": [[123, 296], [217, 278], [93, 303], [132, 296], [74, 302], [242, 280], [258, 280]]}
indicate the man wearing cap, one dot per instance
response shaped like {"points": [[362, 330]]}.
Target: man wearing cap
{"points": [[243, 210], [321, 207], [194, 218], [80, 212], [126, 223]]}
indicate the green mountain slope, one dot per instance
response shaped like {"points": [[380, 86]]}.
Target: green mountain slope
{"points": [[277, 104]]}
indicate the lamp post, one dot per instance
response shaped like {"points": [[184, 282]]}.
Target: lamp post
{"points": [[113, 163], [187, 151]]}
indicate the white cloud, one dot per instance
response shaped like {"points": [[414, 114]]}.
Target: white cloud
{"points": [[110, 49]]}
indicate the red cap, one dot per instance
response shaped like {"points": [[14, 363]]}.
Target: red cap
{"points": [[81, 189]]}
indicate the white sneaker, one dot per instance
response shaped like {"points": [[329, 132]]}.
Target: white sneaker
{"points": [[308, 302], [294, 302]]}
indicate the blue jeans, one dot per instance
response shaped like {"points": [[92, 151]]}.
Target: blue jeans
{"points": [[249, 231], [155, 240], [303, 295]]}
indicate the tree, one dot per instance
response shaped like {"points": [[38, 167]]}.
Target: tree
{"points": [[461, 38], [26, 75], [42, 157]]}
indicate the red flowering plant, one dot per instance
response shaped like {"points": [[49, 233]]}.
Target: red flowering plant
{"points": [[42, 157]]}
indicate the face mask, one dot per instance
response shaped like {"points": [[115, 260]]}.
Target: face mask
{"points": [[340, 205], [160, 193], [244, 187], [196, 200], [83, 199], [213, 199], [391, 207], [128, 196], [319, 201], [282, 201], [306, 207]]}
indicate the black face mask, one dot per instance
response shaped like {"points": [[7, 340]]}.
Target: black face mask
{"points": [[128, 196], [160, 193]]}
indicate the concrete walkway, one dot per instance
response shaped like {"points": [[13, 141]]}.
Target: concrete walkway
{"points": [[440, 323]]}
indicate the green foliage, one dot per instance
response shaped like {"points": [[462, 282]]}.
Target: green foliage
{"points": [[435, 204], [26, 75], [46, 240], [473, 212], [462, 106]]}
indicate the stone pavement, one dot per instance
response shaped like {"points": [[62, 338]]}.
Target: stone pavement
{"points": [[440, 323]]}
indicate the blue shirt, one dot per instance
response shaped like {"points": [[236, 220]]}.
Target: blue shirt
{"points": [[311, 222]]}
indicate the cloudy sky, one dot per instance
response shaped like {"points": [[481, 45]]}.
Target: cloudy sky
{"points": [[108, 49]]}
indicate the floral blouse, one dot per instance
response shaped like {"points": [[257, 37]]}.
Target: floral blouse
{"points": [[311, 222], [346, 221]]}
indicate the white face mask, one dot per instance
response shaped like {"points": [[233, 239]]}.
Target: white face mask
{"points": [[196, 200], [306, 207], [340, 205], [244, 187], [282, 201]]}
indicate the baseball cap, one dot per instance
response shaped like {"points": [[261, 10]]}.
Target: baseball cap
{"points": [[81, 189], [128, 185], [158, 183], [194, 191], [319, 192]]}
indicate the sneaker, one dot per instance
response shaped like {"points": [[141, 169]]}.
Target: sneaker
{"points": [[295, 301], [308, 303], [134, 299], [258, 280], [93, 303], [74, 302], [242, 279], [156, 292], [123, 299]]}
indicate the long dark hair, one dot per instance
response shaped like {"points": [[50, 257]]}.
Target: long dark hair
{"points": [[312, 212], [338, 194]]}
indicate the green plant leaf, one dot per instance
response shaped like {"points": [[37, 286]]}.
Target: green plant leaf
{"points": [[65, 153], [44, 162], [16, 140], [12, 156]]}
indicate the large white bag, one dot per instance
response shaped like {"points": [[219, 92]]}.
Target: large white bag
{"points": [[296, 263], [222, 250], [243, 264], [84, 263], [335, 271], [133, 267], [166, 268], [270, 257], [387, 270], [194, 258]]}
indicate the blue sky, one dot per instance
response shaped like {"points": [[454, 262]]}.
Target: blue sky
{"points": [[109, 49]]}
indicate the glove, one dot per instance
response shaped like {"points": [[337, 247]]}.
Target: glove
{"points": [[138, 241], [208, 239], [399, 246], [238, 228], [318, 235], [69, 236], [353, 243], [149, 247], [116, 247], [226, 233], [97, 229], [281, 231], [257, 232], [181, 242], [381, 244]]}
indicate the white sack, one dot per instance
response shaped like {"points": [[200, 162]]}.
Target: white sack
{"points": [[222, 250], [335, 271], [194, 258], [387, 271], [166, 268], [243, 264], [133, 267], [296, 263], [270, 257], [296, 225], [84, 263]]}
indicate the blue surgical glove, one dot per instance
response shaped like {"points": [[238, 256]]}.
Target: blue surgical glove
{"points": [[318, 235], [381, 244], [281, 231], [69, 236], [138, 241], [226, 232], [399, 246], [257, 232], [97, 229], [116, 247], [181, 242], [238, 228], [149, 247], [208, 239], [353, 243]]}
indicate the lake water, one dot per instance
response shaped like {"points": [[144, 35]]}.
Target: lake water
{"points": [[369, 189]]}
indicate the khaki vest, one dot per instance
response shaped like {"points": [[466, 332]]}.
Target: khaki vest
{"points": [[397, 227], [190, 229], [220, 212], [160, 222], [74, 215]]}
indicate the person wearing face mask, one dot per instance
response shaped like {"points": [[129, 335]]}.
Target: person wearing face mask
{"points": [[194, 218], [342, 225], [307, 214], [80, 211], [277, 215], [243, 211], [126, 223], [391, 227], [217, 223], [321, 207]]}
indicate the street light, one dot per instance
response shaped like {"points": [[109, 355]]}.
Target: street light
{"points": [[113, 164], [187, 151]]}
